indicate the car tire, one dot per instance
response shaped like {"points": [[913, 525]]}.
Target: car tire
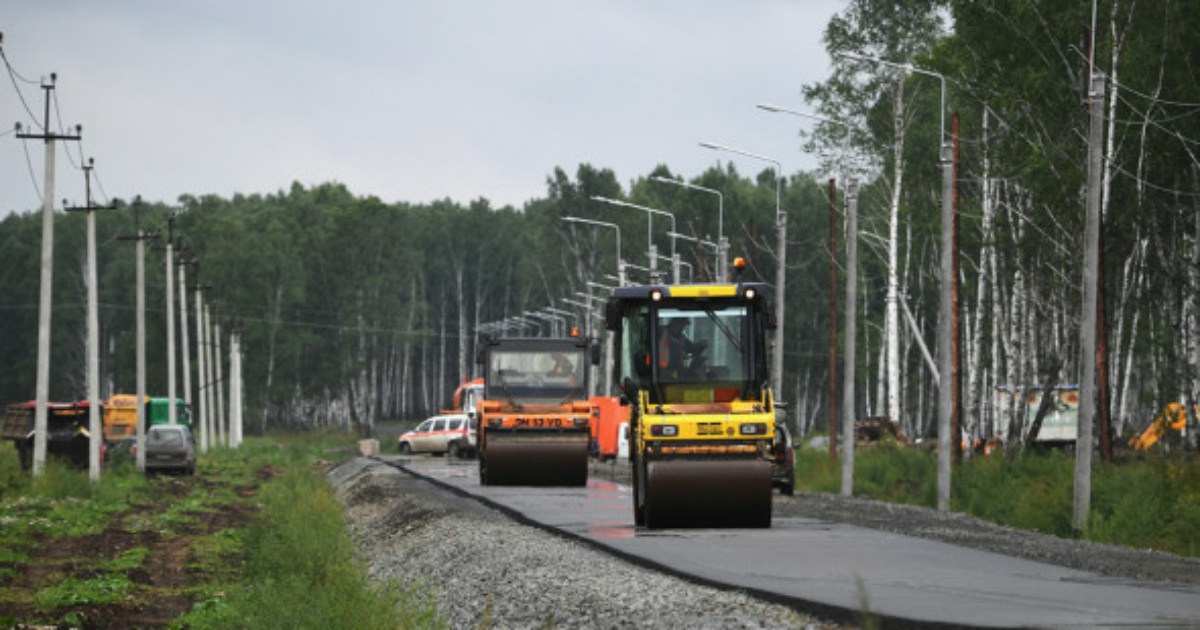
{"points": [[405, 448], [454, 450]]}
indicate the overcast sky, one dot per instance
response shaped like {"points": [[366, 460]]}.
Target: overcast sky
{"points": [[405, 100]]}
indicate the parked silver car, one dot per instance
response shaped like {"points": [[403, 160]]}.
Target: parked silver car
{"points": [[450, 433], [170, 448]]}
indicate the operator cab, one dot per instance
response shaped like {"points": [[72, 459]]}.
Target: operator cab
{"points": [[692, 344]]}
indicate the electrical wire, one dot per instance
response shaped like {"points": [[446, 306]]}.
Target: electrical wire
{"points": [[32, 177], [100, 185], [62, 130], [1143, 182], [13, 76]]}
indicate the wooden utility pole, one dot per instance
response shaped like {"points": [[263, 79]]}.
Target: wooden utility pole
{"points": [[833, 416], [1087, 318], [47, 279], [95, 427]]}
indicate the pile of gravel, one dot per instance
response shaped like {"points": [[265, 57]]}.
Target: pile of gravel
{"points": [[489, 571]]}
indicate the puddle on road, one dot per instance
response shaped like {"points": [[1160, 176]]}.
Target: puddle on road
{"points": [[611, 531]]}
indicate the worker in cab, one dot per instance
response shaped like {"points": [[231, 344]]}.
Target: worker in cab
{"points": [[563, 368], [675, 349]]}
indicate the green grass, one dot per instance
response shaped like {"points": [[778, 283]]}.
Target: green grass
{"points": [[293, 567], [300, 570], [105, 589], [1151, 503]]}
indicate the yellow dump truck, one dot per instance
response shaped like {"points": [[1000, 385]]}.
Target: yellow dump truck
{"points": [[120, 417]]}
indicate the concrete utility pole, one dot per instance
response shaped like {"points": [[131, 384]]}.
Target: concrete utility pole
{"points": [[1087, 315], [848, 348], [944, 344], [95, 428], [202, 417], [170, 273], [47, 280], [141, 332], [210, 383], [182, 263], [833, 417], [235, 386], [222, 436]]}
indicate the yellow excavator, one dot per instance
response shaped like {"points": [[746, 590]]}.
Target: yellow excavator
{"points": [[1173, 418], [691, 361]]}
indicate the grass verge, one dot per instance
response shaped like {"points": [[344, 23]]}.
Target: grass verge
{"points": [[1146, 503]]}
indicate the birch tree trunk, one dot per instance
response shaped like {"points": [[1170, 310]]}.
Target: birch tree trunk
{"points": [[892, 316]]}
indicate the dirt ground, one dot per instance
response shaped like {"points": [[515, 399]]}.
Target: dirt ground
{"points": [[163, 584]]}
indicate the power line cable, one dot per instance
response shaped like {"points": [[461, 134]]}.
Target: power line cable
{"points": [[62, 130], [32, 176], [13, 76]]}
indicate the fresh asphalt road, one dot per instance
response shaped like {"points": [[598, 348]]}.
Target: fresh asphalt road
{"points": [[841, 569]]}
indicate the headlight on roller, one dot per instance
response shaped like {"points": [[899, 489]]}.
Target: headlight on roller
{"points": [[755, 428], [664, 430], [495, 422]]}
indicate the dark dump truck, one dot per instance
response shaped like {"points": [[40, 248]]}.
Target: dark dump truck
{"points": [[67, 434]]}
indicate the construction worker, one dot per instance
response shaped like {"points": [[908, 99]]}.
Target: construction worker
{"points": [[674, 348]]}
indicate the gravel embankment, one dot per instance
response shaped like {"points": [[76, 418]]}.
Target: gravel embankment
{"points": [[489, 571]]}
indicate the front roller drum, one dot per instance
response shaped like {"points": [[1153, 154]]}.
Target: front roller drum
{"points": [[709, 493], [542, 461]]}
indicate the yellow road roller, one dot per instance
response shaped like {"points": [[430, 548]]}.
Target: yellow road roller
{"points": [[691, 361], [532, 426]]}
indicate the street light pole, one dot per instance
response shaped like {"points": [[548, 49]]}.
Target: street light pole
{"points": [[650, 212], [946, 306], [620, 262], [848, 349], [722, 243], [780, 267]]}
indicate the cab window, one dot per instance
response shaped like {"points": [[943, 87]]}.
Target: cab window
{"points": [[423, 427]]}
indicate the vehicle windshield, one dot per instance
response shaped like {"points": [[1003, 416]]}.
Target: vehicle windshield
{"points": [[535, 376], [701, 352]]}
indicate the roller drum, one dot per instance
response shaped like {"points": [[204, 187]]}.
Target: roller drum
{"points": [[708, 493], [536, 461]]}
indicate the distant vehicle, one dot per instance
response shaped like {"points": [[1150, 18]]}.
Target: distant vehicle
{"points": [[170, 448], [449, 433], [158, 411], [67, 433], [783, 462]]}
